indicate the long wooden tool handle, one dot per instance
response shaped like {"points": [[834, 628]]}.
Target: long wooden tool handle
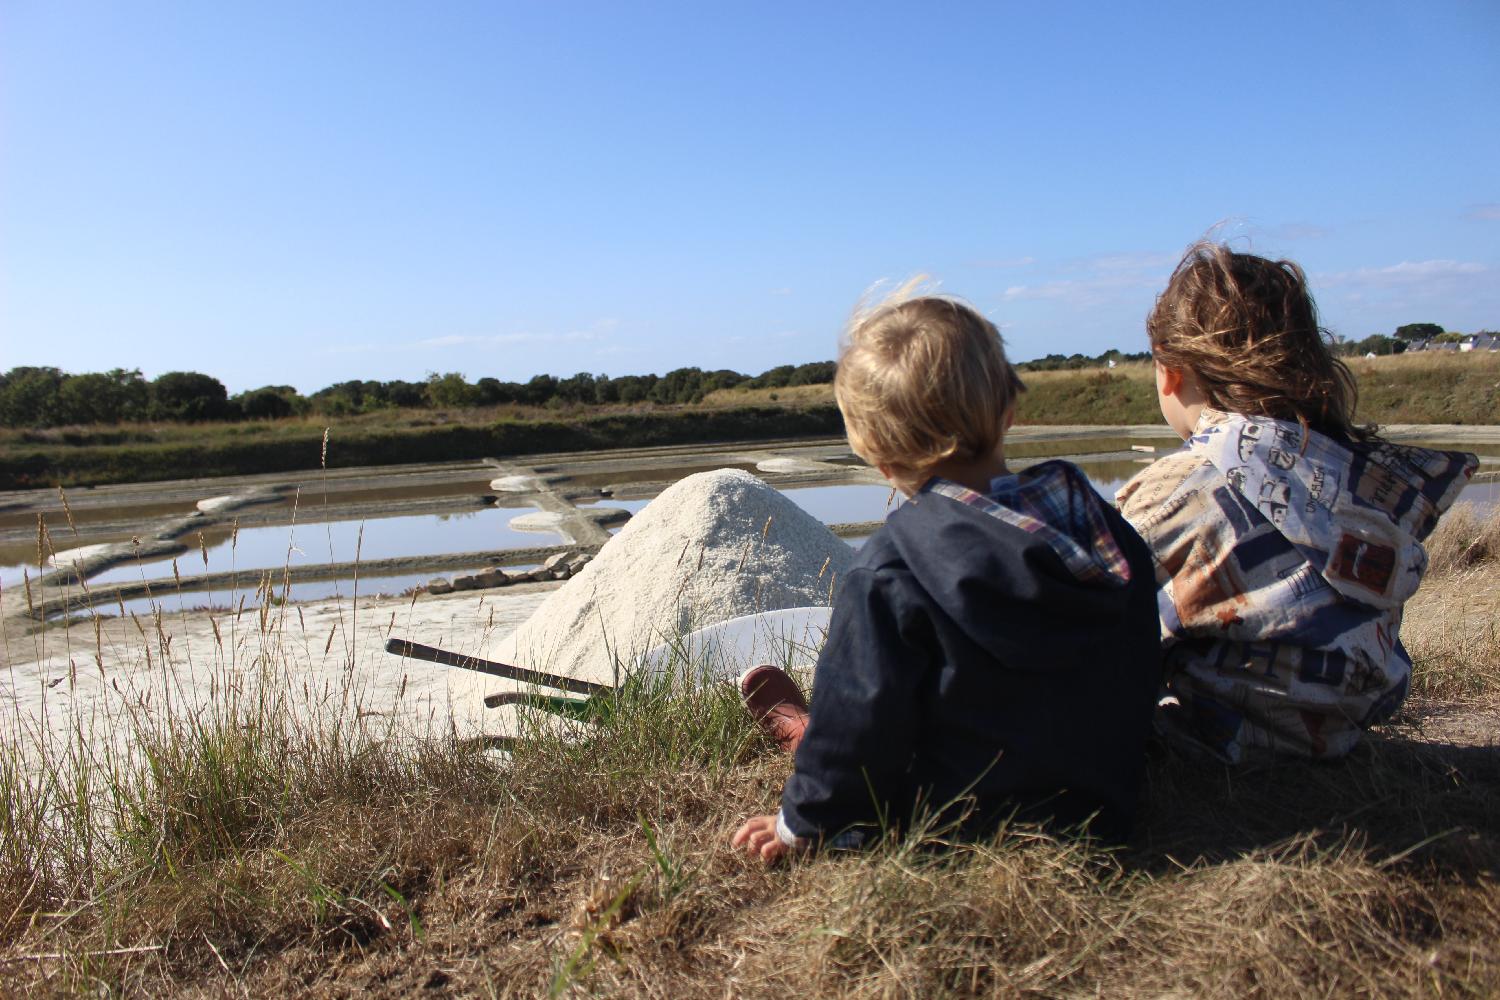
{"points": [[417, 651]]}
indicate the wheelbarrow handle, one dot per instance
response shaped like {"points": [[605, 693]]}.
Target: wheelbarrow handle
{"points": [[417, 651]]}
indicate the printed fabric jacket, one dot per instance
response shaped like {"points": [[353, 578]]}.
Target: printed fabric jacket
{"points": [[1285, 558], [987, 655]]}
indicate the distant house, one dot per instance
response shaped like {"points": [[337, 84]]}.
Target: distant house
{"points": [[1485, 340]]}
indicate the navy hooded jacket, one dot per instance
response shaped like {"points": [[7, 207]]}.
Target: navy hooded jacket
{"points": [[988, 656]]}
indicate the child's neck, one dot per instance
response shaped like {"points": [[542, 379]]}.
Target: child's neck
{"points": [[975, 473]]}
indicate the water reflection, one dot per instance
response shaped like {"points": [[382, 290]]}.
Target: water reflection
{"points": [[319, 543], [845, 504]]}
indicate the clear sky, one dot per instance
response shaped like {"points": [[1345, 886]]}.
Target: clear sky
{"points": [[309, 192]]}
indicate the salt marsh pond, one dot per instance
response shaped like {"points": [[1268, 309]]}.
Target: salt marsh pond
{"points": [[160, 594], [386, 531]]}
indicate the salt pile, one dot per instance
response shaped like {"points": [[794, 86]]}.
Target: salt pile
{"points": [[711, 547]]}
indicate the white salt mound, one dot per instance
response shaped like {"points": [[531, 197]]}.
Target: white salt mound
{"points": [[700, 553]]}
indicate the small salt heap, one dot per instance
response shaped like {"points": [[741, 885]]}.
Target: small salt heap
{"points": [[711, 547]]}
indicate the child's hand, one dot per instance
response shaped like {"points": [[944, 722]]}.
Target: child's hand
{"points": [[758, 837]]}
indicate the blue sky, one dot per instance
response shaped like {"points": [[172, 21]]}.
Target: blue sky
{"points": [[310, 192]]}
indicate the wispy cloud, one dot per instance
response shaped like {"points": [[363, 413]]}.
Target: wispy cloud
{"points": [[1135, 260], [1045, 290], [500, 339], [1406, 274], [1489, 212], [615, 351], [598, 331], [1094, 279]]}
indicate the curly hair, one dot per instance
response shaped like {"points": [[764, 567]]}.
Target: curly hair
{"points": [[1247, 330], [923, 379]]}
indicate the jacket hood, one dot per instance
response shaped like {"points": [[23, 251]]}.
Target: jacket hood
{"points": [[1041, 541], [1358, 513]]}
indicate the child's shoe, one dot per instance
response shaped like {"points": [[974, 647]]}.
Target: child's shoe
{"points": [[775, 703]]}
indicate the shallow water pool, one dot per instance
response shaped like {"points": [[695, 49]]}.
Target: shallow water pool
{"points": [[340, 541], [845, 504]]}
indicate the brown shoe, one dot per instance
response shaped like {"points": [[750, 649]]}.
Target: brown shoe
{"points": [[775, 703]]}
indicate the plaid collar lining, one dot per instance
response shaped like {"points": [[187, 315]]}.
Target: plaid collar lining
{"points": [[1053, 493]]}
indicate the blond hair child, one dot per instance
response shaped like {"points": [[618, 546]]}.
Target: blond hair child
{"points": [[994, 650], [1286, 538]]}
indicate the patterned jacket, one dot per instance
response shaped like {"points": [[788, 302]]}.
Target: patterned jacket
{"points": [[1285, 558]]}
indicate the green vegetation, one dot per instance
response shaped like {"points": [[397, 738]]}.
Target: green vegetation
{"points": [[49, 397], [280, 843], [1412, 388], [131, 454], [1418, 331], [1072, 362]]}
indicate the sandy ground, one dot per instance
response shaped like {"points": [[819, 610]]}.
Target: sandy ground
{"points": [[105, 682]]}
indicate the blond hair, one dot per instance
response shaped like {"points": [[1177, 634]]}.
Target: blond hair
{"points": [[1247, 329], [923, 379]]}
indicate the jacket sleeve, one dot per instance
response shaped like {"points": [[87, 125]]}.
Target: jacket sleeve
{"points": [[851, 775]]}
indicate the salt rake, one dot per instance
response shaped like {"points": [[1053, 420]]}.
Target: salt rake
{"points": [[597, 704]]}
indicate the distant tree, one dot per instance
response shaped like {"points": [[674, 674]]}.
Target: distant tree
{"points": [[493, 392], [812, 373], [606, 390], [402, 394], [680, 385], [28, 396], [188, 397], [1418, 331], [577, 388], [773, 378], [722, 378], [451, 391], [1448, 338], [337, 400], [1066, 362], [109, 398], [538, 390], [270, 402], [635, 388]]}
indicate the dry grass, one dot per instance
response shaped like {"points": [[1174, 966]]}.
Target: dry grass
{"points": [[1466, 538], [274, 861], [251, 852], [1429, 388], [798, 395], [1452, 627]]}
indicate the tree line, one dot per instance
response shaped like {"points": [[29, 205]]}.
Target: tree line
{"points": [[1068, 362], [50, 397]]}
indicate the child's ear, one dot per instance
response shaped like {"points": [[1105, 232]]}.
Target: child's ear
{"points": [[898, 476], [1168, 380]]}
